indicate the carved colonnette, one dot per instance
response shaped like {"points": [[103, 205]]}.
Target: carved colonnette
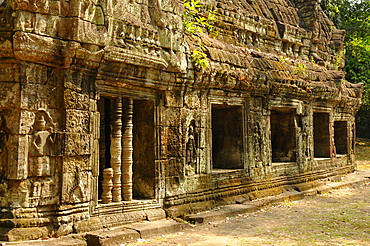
{"points": [[104, 120]]}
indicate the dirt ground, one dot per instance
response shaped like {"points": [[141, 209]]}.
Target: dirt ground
{"points": [[341, 217]]}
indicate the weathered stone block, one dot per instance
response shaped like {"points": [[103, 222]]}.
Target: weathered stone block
{"points": [[173, 98], [75, 187], [18, 193], [77, 121], [6, 49], [37, 96], [76, 100], [174, 168], [44, 50], [53, 26], [171, 116], [6, 19], [70, 163], [89, 58], [93, 224], [25, 21], [46, 6], [112, 237], [43, 191], [192, 100], [87, 32], [77, 144], [22, 234], [18, 157], [40, 166], [10, 94]]}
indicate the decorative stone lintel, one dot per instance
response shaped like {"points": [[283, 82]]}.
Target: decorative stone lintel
{"points": [[114, 54]]}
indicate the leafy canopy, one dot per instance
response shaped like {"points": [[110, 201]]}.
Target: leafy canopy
{"points": [[354, 17]]}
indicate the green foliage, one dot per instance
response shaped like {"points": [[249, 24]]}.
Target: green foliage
{"points": [[199, 59], [300, 69], [354, 17], [282, 59], [196, 22]]}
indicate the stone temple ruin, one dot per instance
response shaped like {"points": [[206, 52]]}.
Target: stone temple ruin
{"points": [[104, 119]]}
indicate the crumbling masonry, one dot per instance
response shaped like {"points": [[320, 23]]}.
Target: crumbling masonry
{"points": [[105, 120]]}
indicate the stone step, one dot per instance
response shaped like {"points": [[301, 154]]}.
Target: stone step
{"points": [[350, 181], [134, 231], [61, 241]]}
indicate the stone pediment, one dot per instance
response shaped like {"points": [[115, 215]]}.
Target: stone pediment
{"points": [[119, 55]]}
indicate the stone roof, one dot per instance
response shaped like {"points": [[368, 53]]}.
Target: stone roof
{"points": [[262, 43]]}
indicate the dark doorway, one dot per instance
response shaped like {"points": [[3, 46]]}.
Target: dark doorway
{"points": [[283, 136], [227, 137], [104, 140], [341, 137], [144, 149], [138, 145], [321, 135]]}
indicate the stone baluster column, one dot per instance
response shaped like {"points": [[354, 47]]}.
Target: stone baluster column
{"points": [[127, 151], [107, 185], [116, 147]]}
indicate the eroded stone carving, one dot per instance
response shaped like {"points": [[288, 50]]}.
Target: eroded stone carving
{"points": [[64, 55], [192, 149], [42, 192], [77, 193], [41, 143]]}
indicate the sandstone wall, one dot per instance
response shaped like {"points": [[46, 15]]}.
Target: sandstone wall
{"points": [[64, 63]]}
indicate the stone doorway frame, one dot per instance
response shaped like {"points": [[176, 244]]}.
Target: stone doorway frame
{"points": [[124, 198]]}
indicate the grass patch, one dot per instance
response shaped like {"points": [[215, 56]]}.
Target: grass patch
{"points": [[363, 153]]}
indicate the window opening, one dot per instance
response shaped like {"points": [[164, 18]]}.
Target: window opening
{"points": [[144, 150], [227, 137], [283, 136], [341, 137], [321, 135], [126, 149]]}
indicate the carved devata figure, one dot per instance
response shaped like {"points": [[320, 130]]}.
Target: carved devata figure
{"points": [[77, 192], [192, 150], [41, 142]]}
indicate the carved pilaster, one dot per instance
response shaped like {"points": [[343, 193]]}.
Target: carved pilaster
{"points": [[102, 138], [116, 147], [127, 151], [107, 185]]}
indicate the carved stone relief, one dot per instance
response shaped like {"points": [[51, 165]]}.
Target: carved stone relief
{"points": [[42, 192], [258, 140], [77, 193], [41, 144], [192, 149], [75, 187]]}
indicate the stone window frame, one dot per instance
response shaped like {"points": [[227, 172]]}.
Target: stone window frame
{"points": [[293, 112], [339, 150], [229, 102], [110, 91], [330, 152]]}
